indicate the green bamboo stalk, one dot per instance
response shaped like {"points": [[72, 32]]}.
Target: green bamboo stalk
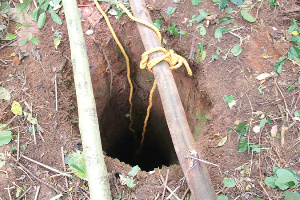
{"points": [[88, 121]]}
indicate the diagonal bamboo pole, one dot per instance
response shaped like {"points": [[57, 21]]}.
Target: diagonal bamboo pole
{"points": [[88, 121], [195, 172]]}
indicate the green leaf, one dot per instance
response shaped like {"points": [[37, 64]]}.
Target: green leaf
{"points": [[291, 195], [5, 7], [10, 36], [297, 113], [29, 36], [42, 20], [229, 182], [296, 39], [56, 18], [170, 10], [284, 182], [236, 50], [273, 3], [5, 137], [23, 41], [202, 15], [291, 88], [202, 29], [214, 57], [263, 122], [4, 94], [247, 16], [295, 52], [76, 163], [223, 141], [31, 119], [242, 147], [134, 171], [256, 199], [223, 4], [229, 10], [223, 21], [157, 23], [35, 13], [196, 2], [219, 32], [41, 2], [46, 4], [270, 181], [278, 65], [130, 182], [237, 2], [24, 7], [293, 26], [228, 98], [183, 32], [222, 197], [35, 41]]}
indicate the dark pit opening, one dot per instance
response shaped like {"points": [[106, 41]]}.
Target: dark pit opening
{"points": [[119, 142]]}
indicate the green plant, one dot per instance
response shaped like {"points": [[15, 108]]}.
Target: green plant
{"points": [[39, 13], [202, 15], [236, 50], [184, 33], [196, 2], [283, 179], [279, 64], [30, 38], [222, 197], [172, 30], [130, 179], [171, 10], [157, 23], [273, 3], [230, 100], [247, 16], [219, 32], [76, 162], [237, 2], [229, 182], [223, 4], [202, 54]]}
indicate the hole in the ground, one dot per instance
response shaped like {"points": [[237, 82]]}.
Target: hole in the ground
{"points": [[119, 142]]}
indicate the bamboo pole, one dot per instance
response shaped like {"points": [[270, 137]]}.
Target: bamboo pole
{"points": [[195, 172], [88, 121]]}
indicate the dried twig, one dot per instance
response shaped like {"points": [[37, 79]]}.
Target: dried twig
{"points": [[56, 104], [9, 195], [185, 193], [265, 191], [165, 183], [10, 42], [47, 167], [37, 192], [24, 193], [18, 145], [169, 189], [101, 17], [36, 178], [64, 165]]}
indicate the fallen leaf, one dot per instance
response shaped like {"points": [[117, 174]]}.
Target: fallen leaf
{"points": [[256, 129], [263, 76], [4, 94], [16, 108], [274, 130], [16, 61], [223, 141]]}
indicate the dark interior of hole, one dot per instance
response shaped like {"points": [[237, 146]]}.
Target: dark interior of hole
{"points": [[119, 142]]}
